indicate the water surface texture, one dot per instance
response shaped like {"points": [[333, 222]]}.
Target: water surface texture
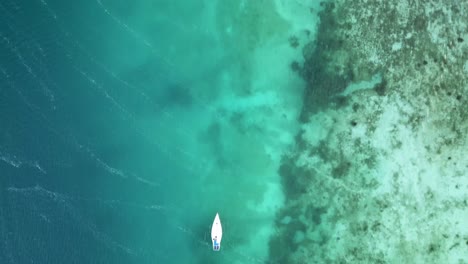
{"points": [[320, 131]]}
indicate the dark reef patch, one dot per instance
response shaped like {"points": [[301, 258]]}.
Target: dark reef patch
{"points": [[381, 87], [295, 66], [315, 213], [293, 41], [341, 169], [282, 244], [294, 179], [331, 64], [279, 249], [323, 79]]}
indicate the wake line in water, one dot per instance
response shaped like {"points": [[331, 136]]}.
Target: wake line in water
{"points": [[14, 50], [135, 34], [107, 167], [32, 107], [18, 163], [33, 49], [104, 92], [10, 160]]}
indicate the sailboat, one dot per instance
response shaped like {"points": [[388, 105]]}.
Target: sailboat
{"points": [[216, 233]]}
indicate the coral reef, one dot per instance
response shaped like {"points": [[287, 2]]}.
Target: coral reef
{"points": [[379, 175]]}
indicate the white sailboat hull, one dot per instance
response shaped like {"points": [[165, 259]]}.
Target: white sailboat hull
{"points": [[216, 233]]}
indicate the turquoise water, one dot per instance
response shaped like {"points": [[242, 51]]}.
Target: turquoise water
{"points": [[321, 132], [126, 125]]}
